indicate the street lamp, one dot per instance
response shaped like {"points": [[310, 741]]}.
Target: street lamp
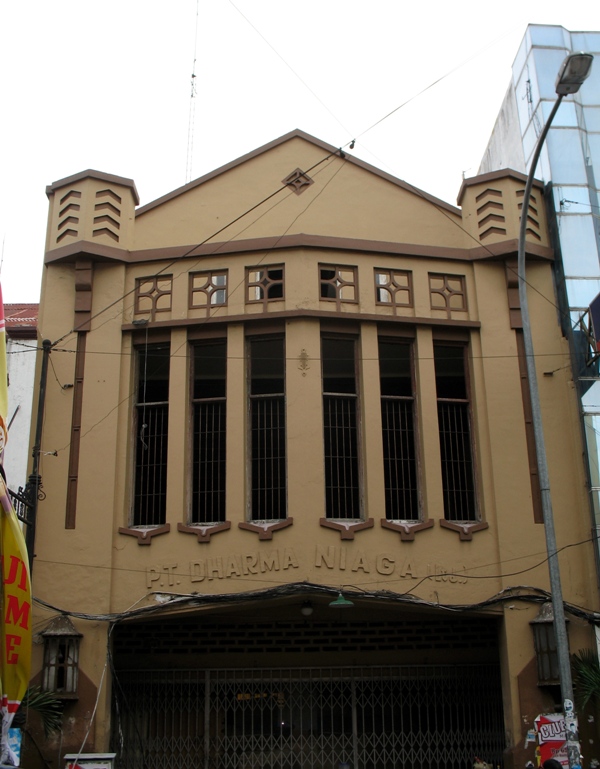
{"points": [[573, 72]]}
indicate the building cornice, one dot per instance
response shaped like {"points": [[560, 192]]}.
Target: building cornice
{"points": [[104, 253]]}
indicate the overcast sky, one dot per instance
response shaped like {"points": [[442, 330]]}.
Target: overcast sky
{"points": [[106, 85]]}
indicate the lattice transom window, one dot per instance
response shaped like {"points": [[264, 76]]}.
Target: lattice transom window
{"points": [[394, 287], [448, 292], [153, 294], [208, 289], [338, 284], [265, 284]]}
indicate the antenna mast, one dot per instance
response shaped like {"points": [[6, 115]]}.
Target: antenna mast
{"points": [[192, 116]]}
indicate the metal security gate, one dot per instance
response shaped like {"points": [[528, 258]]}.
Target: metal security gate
{"points": [[414, 717]]}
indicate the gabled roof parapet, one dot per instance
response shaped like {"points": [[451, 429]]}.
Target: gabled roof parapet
{"points": [[328, 150]]}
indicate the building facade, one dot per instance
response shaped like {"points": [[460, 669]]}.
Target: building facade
{"points": [[293, 516], [570, 166]]}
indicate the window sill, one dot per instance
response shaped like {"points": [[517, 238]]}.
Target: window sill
{"points": [[204, 531], [144, 536], [346, 528], [265, 530], [465, 529], [71, 696], [407, 529]]}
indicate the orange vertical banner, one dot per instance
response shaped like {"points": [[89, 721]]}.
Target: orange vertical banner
{"points": [[15, 593]]}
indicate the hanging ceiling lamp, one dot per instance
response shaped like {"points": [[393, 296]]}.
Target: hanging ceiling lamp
{"points": [[341, 603]]}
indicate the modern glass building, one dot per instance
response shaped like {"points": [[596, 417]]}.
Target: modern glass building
{"points": [[570, 165]]}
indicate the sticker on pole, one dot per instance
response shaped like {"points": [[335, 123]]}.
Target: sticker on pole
{"points": [[552, 738]]}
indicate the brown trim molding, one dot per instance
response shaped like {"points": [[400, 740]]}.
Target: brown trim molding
{"points": [[503, 173], [465, 530], [204, 533], [144, 536], [80, 249], [407, 529], [502, 249], [346, 529], [265, 530], [73, 478], [91, 174], [332, 314]]}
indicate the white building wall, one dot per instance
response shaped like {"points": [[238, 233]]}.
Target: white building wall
{"points": [[505, 148], [21, 357]]}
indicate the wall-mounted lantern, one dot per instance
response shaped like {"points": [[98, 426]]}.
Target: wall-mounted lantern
{"points": [[544, 640], [61, 657]]}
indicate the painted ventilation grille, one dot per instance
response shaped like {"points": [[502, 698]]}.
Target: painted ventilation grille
{"points": [[68, 218], [490, 213], [533, 224], [107, 214]]}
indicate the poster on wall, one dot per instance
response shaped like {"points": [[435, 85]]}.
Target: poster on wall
{"points": [[552, 738]]}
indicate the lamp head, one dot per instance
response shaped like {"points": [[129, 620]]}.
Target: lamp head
{"points": [[573, 71], [341, 603]]}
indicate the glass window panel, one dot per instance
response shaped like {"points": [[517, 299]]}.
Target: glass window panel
{"points": [[547, 63], [548, 35], [268, 488], [581, 291], [594, 148], [571, 200], [566, 115], [585, 41], [267, 366], [566, 156], [339, 375], [450, 377], [578, 246], [591, 116], [395, 368], [210, 365], [153, 374]]}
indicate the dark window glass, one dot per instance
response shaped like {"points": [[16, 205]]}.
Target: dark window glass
{"points": [[209, 438], [268, 436], [397, 418], [340, 416], [152, 427], [454, 417]]}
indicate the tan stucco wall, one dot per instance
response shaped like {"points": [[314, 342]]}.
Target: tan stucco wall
{"points": [[95, 569]]}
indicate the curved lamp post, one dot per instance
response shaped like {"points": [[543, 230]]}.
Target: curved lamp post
{"points": [[573, 72]]}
